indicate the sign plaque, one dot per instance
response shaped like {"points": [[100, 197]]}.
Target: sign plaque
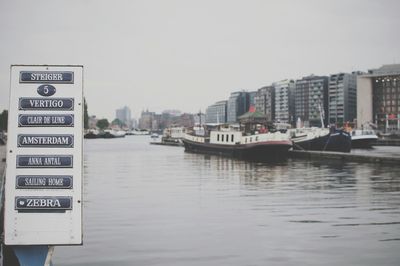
{"points": [[45, 140], [44, 182], [46, 77], [36, 120], [43, 203], [44, 161], [43, 188], [52, 104]]}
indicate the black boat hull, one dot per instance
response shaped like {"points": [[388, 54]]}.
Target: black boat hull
{"points": [[363, 143], [338, 141], [91, 135], [265, 151]]}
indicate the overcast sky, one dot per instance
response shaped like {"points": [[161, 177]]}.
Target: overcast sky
{"points": [[186, 55]]}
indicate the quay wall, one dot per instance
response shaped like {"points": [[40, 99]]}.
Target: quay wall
{"points": [[348, 157], [387, 142]]}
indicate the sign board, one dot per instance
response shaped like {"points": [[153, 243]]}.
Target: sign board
{"points": [[43, 189]]}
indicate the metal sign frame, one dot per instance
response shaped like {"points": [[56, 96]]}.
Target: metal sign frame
{"points": [[43, 188]]}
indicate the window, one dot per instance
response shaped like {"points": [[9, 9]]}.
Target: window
{"points": [[222, 137], [232, 138], [227, 138], [217, 137]]}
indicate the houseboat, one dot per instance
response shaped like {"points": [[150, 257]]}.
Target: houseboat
{"points": [[238, 144], [320, 139], [363, 138], [252, 139]]}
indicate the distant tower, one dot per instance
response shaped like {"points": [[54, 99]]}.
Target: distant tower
{"points": [[124, 115]]}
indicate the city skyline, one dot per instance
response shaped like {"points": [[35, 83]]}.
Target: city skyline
{"points": [[187, 56]]}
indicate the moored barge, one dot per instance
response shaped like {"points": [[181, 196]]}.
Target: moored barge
{"points": [[235, 143]]}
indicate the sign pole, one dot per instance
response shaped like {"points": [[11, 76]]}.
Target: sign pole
{"points": [[33, 255], [49, 256]]}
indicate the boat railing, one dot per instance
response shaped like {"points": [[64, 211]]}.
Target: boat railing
{"points": [[359, 132], [195, 138], [265, 137]]}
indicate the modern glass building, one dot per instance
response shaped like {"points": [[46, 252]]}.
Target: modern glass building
{"points": [[252, 99], [217, 113], [311, 100], [238, 104], [342, 99], [284, 101], [265, 102]]}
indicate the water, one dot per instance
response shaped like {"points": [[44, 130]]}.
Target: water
{"points": [[156, 205]]}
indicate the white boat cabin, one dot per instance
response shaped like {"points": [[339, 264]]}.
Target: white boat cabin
{"points": [[225, 137], [174, 132], [233, 136]]}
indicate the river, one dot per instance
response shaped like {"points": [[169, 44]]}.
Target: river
{"points": [[157, 205]]}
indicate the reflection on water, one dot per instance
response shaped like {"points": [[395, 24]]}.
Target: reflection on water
{"points": [[155, 205]]}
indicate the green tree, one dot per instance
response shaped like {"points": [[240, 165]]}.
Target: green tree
{"points": [[102, 123], [3, 120], [118, 122], [85, 114]]}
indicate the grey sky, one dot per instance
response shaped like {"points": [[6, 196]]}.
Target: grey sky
{"points": [[186, 55]]}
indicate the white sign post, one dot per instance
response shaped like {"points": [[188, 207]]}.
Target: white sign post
{"points": [[43, 190]]}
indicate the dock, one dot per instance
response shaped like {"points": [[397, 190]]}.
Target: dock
{"points": [[348, 157], [387, 142]]}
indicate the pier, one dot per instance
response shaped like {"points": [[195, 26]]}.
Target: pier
{"points": [[388, 142]]}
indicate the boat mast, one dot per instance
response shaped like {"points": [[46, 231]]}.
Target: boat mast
{"points": [[321, 114]]}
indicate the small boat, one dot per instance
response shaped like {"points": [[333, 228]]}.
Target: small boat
{"points": [[363, 138], [154, 136], [173, 136], [112, 133], [137, 132], [91, 134], [233, 142], [320, 139]]}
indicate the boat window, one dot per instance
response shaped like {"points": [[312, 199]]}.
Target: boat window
{"points": [[251, 139], [227, 138], [256, 138], [222, 137], [245, 140], [217, 137], [232, 138]]}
